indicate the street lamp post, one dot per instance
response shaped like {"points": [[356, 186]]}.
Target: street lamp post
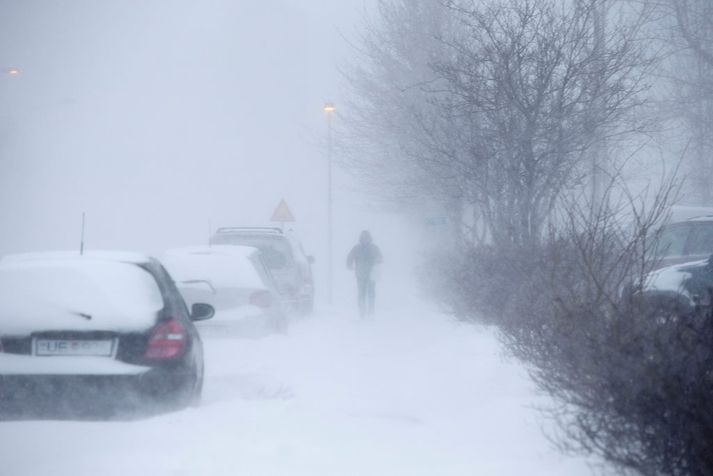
{"points": [[329, 111]]}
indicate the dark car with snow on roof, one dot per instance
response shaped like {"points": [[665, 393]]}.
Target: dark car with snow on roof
{"points": [[83, 330]]}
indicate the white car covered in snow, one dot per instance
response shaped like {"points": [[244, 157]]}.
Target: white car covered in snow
{"points": [[84, 329], [235, 281]]}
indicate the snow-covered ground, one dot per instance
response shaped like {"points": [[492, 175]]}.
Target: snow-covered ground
{"points": [[409, 393]]}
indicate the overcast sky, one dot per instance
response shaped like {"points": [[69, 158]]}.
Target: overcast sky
{"points": [[158, 117]]}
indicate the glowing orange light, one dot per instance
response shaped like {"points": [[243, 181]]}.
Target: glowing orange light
{"points": [[329, 108]]}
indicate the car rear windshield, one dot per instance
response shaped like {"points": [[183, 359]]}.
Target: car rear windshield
{"points": [[276, 250], [701, 241], [218, 269], [38, 295], [672, 241]]}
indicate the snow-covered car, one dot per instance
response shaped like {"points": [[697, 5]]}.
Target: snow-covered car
{"points": [[93, 328], [235, 281], [284, 256]]}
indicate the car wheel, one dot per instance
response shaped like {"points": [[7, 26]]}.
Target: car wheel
{"points": [[185, 394], [304, 306], [197, 396]]}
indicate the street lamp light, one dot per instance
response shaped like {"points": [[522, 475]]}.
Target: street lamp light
{"points": [[13, 72], [329, 111]]}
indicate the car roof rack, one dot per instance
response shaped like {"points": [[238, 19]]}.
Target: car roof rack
{"points": [[250, 229]]}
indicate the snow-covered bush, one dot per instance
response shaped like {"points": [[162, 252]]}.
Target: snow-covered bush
{"points": [[631, 378]]}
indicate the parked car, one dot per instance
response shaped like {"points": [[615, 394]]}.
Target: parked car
{"points": [[103, 326], [684, 241], [235, 281], [284, 256]]}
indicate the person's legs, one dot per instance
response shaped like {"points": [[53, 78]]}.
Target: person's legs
{"points": [[371, 293], [361, 295]]}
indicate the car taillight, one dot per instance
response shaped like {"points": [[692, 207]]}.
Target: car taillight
{"points": [[167, 341], [261, 299]]}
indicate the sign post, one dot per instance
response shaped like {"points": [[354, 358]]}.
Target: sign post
{"points": [[282, 214]]}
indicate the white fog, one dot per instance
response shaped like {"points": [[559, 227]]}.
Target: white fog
{"points": [[519, 278]]}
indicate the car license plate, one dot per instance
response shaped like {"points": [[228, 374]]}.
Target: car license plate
{"points": [[81, 347]]}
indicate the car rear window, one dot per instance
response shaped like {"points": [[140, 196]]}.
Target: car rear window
{"points": [[701, 241], [276, 251], [672, 241], [37, 295]]}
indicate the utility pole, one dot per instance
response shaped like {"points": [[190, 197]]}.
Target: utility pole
{"points": [[81, 241], [329, 110]]}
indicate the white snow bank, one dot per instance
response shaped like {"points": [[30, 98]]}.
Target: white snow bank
{"points": [[81, 294]]}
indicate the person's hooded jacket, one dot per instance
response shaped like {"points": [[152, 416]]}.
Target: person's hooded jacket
{"points": [[364, 256]]}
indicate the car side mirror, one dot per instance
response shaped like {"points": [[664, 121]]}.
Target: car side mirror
{"points": [[202, 312], [310, 259]]}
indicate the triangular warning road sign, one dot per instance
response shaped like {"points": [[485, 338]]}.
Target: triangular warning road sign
{"points": [[282, 213]]}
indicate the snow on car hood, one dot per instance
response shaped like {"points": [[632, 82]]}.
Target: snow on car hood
{"points": [[76, 295], [671, 278]]}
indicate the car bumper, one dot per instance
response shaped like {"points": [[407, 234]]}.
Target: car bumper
{"points": [[13, 364], [48, 395]]}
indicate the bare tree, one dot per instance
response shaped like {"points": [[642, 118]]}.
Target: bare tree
{"points": [[543, 93], [491, 104], [496, 104], [694, 19], [631, 371], [688, 32], [629, 365], [391, 85]]}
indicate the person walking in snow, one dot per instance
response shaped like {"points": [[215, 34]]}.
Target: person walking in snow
{"points": [[363, 259]]}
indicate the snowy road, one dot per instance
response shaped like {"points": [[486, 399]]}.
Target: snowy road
{"points": [[407, 394]]}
